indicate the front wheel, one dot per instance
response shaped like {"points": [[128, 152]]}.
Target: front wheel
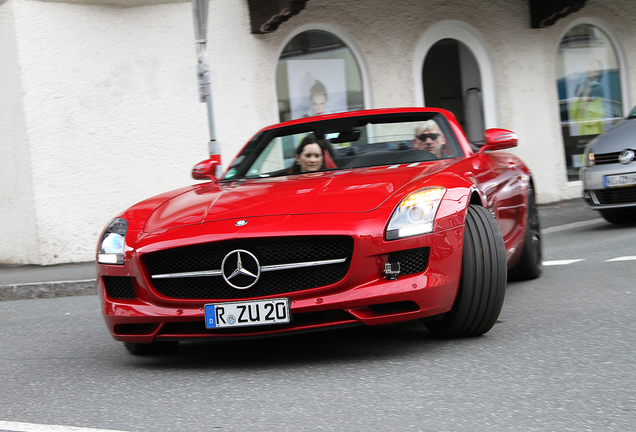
{"points": [[620, 216], [482, 285]]}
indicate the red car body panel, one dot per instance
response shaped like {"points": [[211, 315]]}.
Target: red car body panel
{"points": [[356, 203]]}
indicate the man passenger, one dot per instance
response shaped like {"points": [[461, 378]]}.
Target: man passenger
{"points": [[429, 137]]}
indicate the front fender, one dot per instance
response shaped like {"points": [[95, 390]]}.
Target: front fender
{"points": [[460, 192]]}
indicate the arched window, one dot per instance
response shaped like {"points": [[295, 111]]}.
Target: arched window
{"points": [[466, 85], [589, 86], [317, 73]]}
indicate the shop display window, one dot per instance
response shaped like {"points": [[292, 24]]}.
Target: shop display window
{"points": [[317, 74], [589, 86]]}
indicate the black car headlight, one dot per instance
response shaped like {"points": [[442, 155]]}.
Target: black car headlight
{"points": [[415, 214], [111, 245]]}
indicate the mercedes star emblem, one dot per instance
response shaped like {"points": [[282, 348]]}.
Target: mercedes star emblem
{"points": [[241, 269]]}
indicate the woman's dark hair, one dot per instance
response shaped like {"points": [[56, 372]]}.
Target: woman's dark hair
{"points": [[309, 139]]}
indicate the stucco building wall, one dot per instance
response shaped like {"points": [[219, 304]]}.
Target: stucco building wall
{"points": [[17, 207], [100, 106], [108, 114]]}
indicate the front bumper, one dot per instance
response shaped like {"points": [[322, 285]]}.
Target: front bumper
{"points": [[600, 197], [363, 296]]}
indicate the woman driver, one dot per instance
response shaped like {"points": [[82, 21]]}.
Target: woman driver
{"points": [[309, 155]]}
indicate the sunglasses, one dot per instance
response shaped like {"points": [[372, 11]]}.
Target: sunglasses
{"points": [[433, 136]]}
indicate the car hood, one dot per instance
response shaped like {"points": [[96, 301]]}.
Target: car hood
{"points": [[342, 191], [617, 138]]}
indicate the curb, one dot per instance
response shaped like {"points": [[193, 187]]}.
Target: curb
{"points": [[48, 289]]}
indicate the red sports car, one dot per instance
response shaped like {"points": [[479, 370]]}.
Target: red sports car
{"points": [[359, 218]]}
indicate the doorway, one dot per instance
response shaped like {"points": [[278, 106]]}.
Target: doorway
{"points": [[451, 80]]}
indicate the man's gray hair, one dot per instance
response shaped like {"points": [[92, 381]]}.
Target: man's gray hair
{"points": [[428, 125]]}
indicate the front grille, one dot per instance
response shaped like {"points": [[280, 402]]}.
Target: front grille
{"points": [[134, 329], [119, 287], [395, 307], [269, 252], [298, 319], [411, 260], [606, 158], [320, 317], [621, 195]]}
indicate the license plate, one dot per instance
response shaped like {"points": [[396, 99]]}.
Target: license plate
{"points": [[620, 180], [247, 313]]}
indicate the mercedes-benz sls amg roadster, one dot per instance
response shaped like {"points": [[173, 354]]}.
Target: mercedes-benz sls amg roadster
{"points": [[369, 217]]}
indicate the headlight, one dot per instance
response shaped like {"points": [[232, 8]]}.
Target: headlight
{"points": [[111, 245], [588, 155], [415, 214]]}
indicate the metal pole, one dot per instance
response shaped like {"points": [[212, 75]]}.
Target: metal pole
{"points": [[200, 9]]}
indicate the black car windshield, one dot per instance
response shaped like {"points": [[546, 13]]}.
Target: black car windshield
{"points": [[346, 143]]}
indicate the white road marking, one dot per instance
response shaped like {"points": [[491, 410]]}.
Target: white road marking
{"points": [[623, 258], [561, 262], [572, 261], [572, 225], [31, 427]]}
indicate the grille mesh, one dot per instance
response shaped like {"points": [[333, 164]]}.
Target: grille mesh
{"points": [[622, 195], [606, 158], [269, 251], [119, 287], [143, 328], [389, 308], [411, 260]]}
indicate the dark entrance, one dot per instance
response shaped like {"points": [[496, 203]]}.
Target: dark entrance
{"points": [[452, 81]]}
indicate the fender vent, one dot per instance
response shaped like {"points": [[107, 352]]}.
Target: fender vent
{"points": [[411, 260], [119, 287]]}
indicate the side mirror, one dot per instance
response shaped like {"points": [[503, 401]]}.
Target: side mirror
{"points": [[499, 139], [205, 170]]}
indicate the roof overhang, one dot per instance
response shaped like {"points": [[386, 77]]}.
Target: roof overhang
{"points": [[267, 15], [544, 13]]}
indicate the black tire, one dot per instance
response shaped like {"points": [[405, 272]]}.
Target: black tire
{"points": [[482, 286], [620, 216], [530, 264], [137, 348]]}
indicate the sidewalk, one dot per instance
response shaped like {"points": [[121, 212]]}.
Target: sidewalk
{"points": [[18, 282]]}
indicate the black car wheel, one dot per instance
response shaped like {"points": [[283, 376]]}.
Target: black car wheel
{"points": [[620, 216], [482, 286], [530, 264]]}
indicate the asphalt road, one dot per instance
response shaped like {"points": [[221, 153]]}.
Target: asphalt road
{"points": [[560, 359]]}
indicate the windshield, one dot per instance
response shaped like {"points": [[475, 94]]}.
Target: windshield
{"points": [[346, 143]]}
